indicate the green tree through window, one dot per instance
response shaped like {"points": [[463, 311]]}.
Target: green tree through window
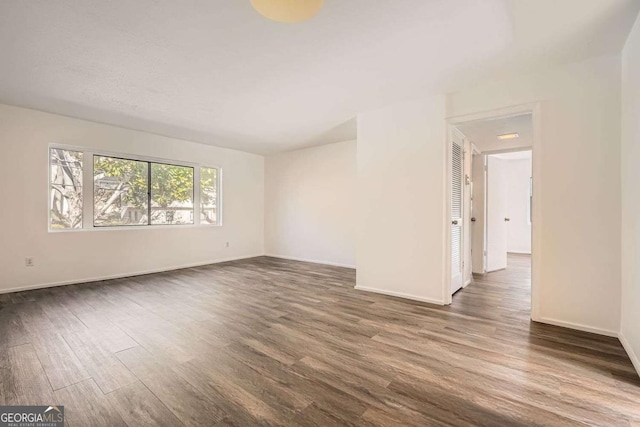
{"points": [[65, 184], [171, 194], [208, 195], [128, 192], [120, 192]]}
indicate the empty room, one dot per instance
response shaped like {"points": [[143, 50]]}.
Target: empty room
{"points": [[319, 213]]}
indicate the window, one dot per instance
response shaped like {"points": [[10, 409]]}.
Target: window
{"points": [[120, 195], [209, 196], [129, 192], [171, 194], [65, 188]]}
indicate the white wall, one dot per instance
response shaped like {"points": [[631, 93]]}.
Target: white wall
{"points": [[400, 200], [310, 204], [576, 245], [518, 228], [577, 236], [630, 328], [84, 255]]}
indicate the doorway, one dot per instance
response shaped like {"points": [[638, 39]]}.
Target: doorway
{"points": [[491, 197], [509, 195]]}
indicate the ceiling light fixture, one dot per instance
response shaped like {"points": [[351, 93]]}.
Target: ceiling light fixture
{"points": [[288, 10], [509, 136]]}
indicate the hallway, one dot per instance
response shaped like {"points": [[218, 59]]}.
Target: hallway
{"points": [[500, 295]]}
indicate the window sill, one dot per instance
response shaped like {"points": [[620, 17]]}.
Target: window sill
{"points": [[134, 227]]}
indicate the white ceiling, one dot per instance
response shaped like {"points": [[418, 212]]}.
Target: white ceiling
{"points": [[484, 133], [214, 71]]}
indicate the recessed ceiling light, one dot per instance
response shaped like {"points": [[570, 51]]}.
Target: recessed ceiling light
{"points": [[288, 10], [509, 136]]}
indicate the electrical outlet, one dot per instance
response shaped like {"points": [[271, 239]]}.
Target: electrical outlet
{"points": [[227, 245], [29, 262]]}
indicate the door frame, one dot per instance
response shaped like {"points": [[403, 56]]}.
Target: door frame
{"points": [[463, 216], [536, 171], [485, 228]]}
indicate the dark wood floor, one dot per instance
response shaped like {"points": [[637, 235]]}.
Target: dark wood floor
{"points": [[273, 342]]}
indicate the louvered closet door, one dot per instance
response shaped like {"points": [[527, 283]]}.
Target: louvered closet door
{"points": [[457, 187]]}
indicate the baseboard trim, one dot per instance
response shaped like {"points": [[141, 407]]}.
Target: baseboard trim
{"points": [[577, 326], [313, 261], [632, 355], [399, 295], [123, 275]]}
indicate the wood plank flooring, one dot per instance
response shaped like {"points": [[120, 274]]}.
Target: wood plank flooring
{"points": [[273, 342]]}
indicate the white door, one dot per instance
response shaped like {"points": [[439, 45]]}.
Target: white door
{"points": [[457, 194], [479, 214], [496, 214]]}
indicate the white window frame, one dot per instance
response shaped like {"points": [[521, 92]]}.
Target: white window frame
{"points": [[88, 188]]}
